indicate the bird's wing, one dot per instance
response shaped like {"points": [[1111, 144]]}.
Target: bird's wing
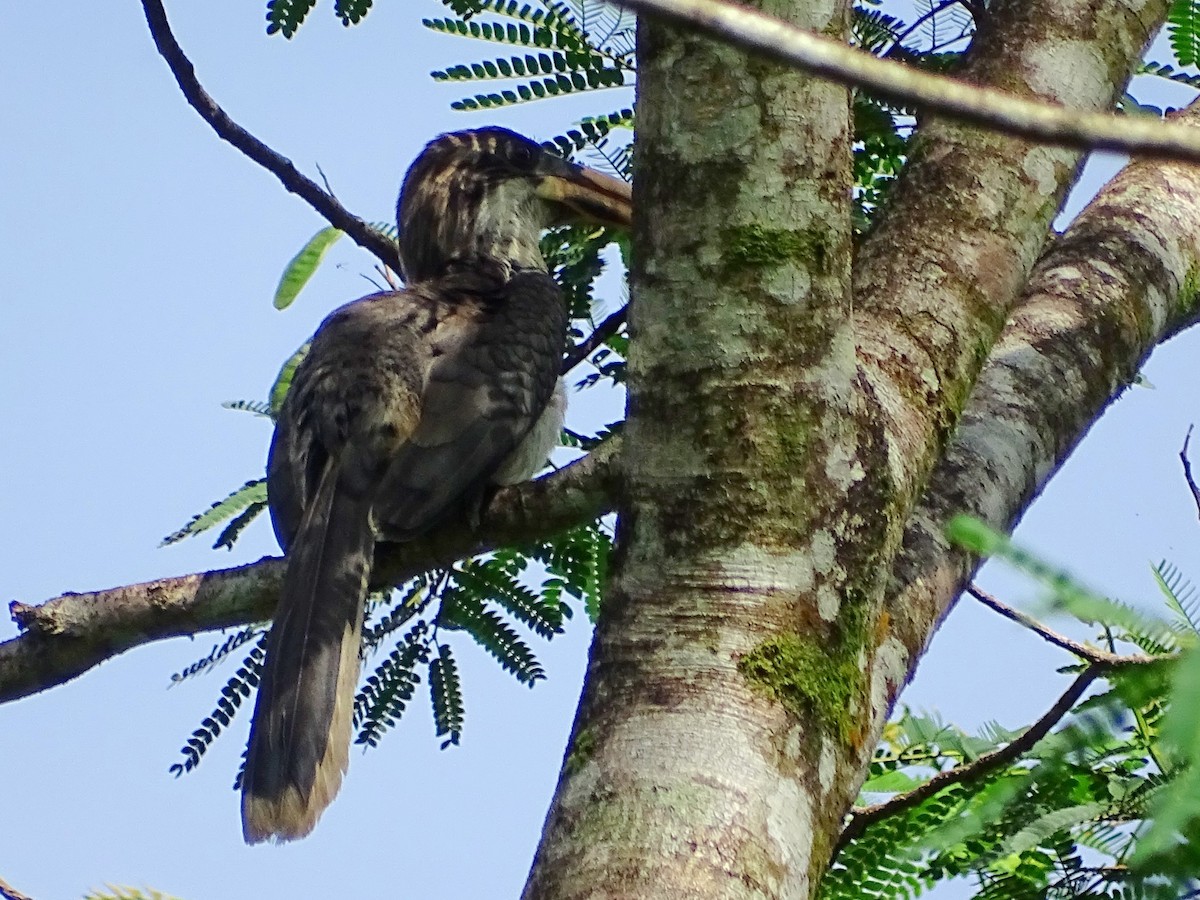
{"points": [[494, 369], [356, 396]]}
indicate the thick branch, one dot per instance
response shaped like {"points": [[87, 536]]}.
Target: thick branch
{"points": [[1041, 122], [323, 202], [67, 636], [1112, 287]]}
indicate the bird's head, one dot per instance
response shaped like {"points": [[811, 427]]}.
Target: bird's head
{"points": [[488, 194]]}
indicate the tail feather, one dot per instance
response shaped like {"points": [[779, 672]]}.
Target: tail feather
{"points": [[300, 736]]}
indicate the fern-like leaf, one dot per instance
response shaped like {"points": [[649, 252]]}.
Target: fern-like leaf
{"points": [[285, 16], [515, 34], [384, 695], [256, 407], [251, 493], [351, 12], [124, 892], [231, 532], [486, 578], [283, 381], [1183, 31], [219, 653], [552, 86], [1180, 593], [465, 612], [445, 690], [235, 690]]}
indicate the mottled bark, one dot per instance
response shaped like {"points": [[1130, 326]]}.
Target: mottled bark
{"points": [[1123, 278], [686, 776], [778, 439], [780, 436]]}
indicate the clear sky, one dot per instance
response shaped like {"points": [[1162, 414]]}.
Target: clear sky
{"points": [[139, 256]]}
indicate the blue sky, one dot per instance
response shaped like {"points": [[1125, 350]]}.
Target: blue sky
{"points": [[140, 254]]}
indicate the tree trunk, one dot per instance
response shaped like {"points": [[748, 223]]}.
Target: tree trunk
{"points": [[779, 436]]}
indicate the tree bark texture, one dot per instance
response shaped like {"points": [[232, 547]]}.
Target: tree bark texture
{"points": [[803, 420], [781, 430], [687, 776]]}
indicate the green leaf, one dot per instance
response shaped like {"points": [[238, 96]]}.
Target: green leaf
{"points": [[283, 381], [445, 689], [234, 691], [351, 12], [250, 493], [1183, 30], [302, 266], [285, 16]]}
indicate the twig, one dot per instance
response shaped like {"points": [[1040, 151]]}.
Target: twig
{"points": [[862, 817], [1187, 469], [8, 892], [775, 39], [297, 183], [1092, 654], [1100, 662], [602, 333]]}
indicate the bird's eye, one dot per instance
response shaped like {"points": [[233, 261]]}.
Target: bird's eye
{"points": [[522, 156]]}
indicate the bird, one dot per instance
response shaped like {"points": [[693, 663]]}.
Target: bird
{"points": [[408, 410]]}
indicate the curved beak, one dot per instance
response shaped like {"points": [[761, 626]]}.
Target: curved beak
{"points": [[585, 193]]}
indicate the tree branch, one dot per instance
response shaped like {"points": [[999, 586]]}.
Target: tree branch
{"points": [[1109, 290], [8, 892], [1092, 654], [68, 635], [864, 816], [1187, 470], [602, 333], [775, 39], [323, 202]]}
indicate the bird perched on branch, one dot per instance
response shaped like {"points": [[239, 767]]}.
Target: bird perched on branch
{"points": [[408, 407]]}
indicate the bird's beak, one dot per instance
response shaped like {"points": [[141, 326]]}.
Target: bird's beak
{"points": [[588, 194]]}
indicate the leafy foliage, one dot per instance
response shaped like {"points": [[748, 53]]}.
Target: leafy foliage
{"points": [[234, 691], [1183, 31], [385, 694], [1063, 821], [1103, 807], [285, 16], [563, 48], [249, 499], [445, 689]]}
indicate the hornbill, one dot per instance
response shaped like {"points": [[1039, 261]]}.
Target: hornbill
{"points": [[408, 408]]}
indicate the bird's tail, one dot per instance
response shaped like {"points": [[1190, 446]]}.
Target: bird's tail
{"points": [[300, 736]]}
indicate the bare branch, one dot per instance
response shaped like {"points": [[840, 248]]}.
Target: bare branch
{"points": [[68, 635], [8, 892], [227, 129], [1187, 469], [602, 333], [1045, 123], [862, 817], [1083, 651]]}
